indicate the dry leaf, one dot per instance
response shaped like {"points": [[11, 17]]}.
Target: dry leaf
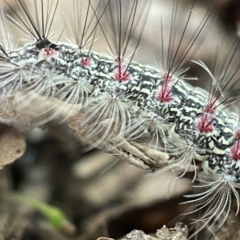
{"points": [[12, 145]]}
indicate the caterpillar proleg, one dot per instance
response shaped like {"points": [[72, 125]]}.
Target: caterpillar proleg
{"points": [[118, 101]]}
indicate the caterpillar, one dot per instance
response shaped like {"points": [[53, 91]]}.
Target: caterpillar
{"points": [[116, 101]]}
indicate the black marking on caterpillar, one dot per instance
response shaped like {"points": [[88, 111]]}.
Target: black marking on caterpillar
{"points": [[120, 98]]}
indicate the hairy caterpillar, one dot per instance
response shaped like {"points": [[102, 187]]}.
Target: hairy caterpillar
{"points": [[120, 100]]}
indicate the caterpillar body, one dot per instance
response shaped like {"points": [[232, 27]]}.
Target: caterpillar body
{"points": [[118, 98]]}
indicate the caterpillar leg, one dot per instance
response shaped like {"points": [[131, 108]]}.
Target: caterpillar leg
{"points": [[151, 157], [138, 154]]}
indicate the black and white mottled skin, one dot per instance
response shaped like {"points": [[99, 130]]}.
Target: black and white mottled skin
{"points": [[178, 117]]}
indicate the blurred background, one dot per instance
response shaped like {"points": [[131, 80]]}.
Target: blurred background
{"points": [[100, 194]]}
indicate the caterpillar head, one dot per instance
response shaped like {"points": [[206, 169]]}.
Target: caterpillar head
{"points": [[215, 193], [219, 183]]}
